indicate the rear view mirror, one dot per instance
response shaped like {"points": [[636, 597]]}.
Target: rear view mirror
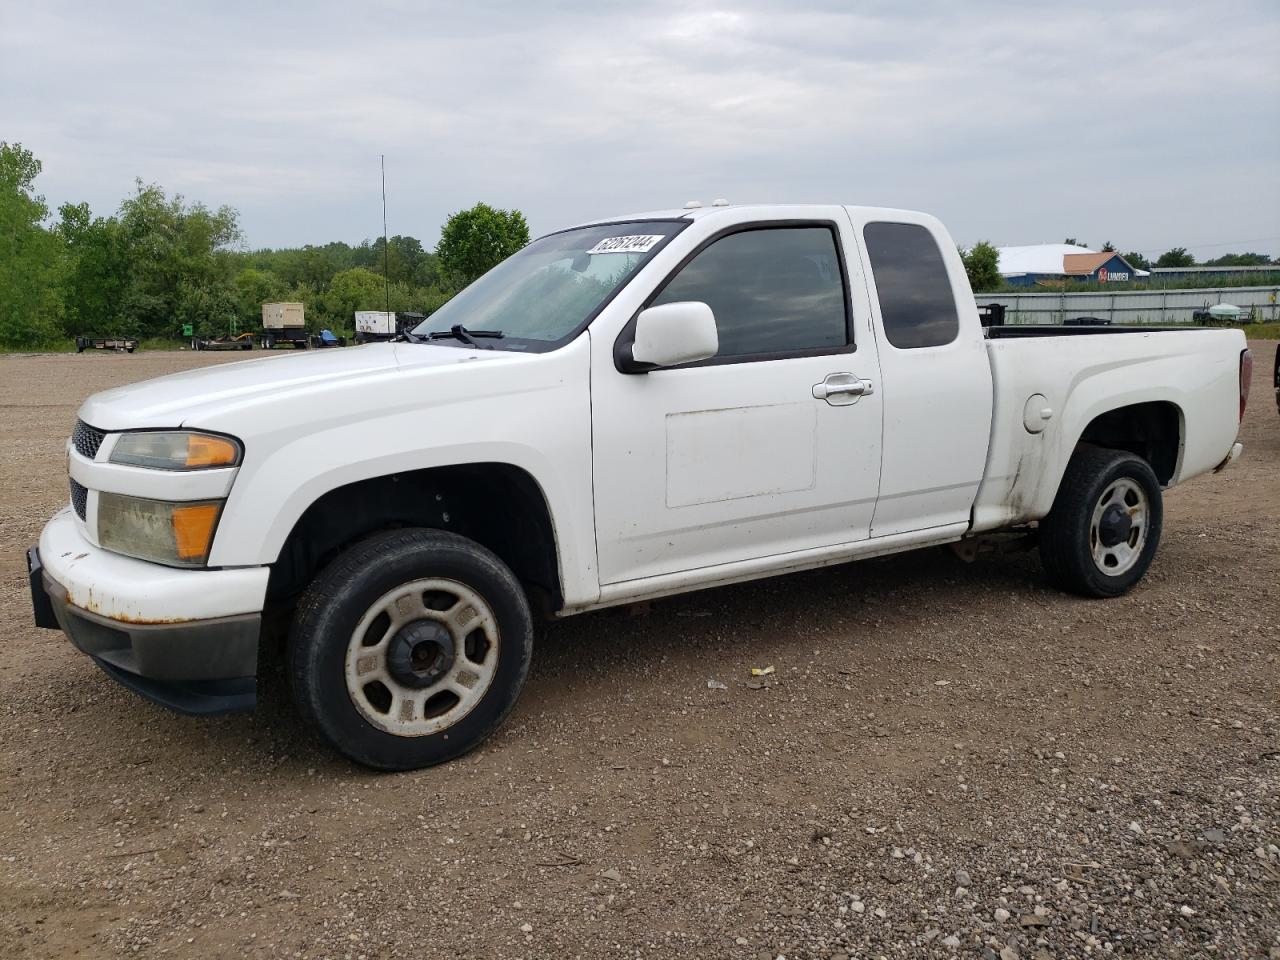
{"points": [[672, 334]]}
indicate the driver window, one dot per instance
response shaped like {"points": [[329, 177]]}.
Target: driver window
{"points": [[773, 291]]}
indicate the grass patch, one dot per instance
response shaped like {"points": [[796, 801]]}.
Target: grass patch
{"points": [[56, 346], [1262, 331]]}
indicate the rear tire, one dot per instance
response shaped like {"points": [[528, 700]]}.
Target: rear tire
{"points": [[1102, 532], [410, 648]]}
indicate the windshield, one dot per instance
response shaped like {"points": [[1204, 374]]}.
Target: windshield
{"points": [[550, 289]]}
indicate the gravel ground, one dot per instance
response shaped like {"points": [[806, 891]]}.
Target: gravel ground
{"points": [[951, 760]]}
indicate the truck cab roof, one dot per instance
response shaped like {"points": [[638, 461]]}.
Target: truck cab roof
{"points": [[764, 211]]}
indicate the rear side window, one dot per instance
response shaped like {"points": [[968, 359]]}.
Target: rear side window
{"points": [[773, 291], [916, 302]]}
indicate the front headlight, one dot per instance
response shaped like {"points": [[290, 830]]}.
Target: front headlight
{"points": [[175, 450], [177, 534]]}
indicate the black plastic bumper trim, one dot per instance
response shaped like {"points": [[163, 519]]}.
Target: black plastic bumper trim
{"points": [[194, 697], [41, 605], [194, 666]]}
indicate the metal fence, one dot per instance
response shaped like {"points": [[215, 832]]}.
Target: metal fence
{"points": [[1132, 307]]}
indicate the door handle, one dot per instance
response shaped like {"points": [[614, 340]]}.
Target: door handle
{"points": [[842, 389]]}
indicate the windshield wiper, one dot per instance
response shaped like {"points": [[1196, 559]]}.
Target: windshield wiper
{"points": [[459, 332]]}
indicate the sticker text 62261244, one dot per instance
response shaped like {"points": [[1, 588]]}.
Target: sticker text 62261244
{"points": [[636, 243]]}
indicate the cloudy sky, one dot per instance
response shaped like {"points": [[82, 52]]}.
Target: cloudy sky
{"points": [[1148, 124]]}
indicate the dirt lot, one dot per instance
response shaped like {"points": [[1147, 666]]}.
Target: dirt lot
{"points": [[951, 760]]}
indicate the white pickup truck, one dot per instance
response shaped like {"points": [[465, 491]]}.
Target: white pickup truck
{"points": [[624, 410]]}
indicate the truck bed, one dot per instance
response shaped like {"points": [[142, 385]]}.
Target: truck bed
{"points": [[1194, 369]]}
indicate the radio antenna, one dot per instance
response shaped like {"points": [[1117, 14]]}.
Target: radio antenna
{"points": [[386, 258]]}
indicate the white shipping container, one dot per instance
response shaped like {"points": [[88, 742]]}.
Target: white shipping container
{"points": [[278, 316], [376, 321]]}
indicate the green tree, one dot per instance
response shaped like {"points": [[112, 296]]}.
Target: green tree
{"points": [[476, 240], [179, 262], [253, 288], [1239, 260], [210, 308], [356, 289], [982, 264], [1177, 257], [1108, 247], [30, 255], [1137, 260], [426, 265], [405, 260], [313, 265], [96, 273], [1072, 241]]}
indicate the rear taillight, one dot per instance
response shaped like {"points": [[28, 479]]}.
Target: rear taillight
{"points": [[1246, 377]]}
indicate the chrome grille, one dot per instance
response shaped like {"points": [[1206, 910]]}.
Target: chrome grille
{"points": [[79, 498], [87, 439]]}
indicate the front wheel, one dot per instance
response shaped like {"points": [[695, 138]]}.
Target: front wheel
{"points": [[410, 648], [1102, 532]]}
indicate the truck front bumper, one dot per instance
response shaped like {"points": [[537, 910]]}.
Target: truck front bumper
{"points": [[129, 616]]}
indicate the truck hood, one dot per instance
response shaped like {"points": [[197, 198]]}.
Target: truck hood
{"points": [[186, 398]]}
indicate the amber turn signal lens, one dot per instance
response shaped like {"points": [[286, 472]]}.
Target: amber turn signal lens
{"points": [[175, 450], [193, 529], [176, 534], [206, 451]]}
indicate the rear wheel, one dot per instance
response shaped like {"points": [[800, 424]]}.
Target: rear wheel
{"points": [[1102, 533], [410, 648]]}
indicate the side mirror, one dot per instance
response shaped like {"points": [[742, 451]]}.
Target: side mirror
{"points": [[672, 334]]}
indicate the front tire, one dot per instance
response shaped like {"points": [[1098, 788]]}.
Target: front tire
{"points": [[410, 648], [1102, 532]]}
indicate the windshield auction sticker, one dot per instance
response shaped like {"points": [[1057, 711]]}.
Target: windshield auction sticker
{"points": [[632, 244]]}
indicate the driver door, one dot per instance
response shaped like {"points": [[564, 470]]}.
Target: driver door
{"points": [[763, 450]]}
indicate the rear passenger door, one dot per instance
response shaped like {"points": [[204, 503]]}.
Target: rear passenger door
{"points": [[933, 361], [770, 447]]}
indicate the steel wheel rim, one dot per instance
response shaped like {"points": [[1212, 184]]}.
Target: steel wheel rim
{"points": [[391, 704], [1119, 558]]}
